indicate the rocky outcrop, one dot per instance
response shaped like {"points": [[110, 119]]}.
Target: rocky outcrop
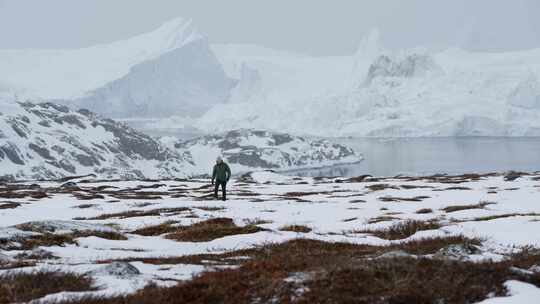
{"points": [[248, 150], [50, 141]]}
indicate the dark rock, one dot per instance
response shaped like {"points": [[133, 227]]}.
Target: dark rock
{"points": [[512, 176], [69, 186], [43, 152]]}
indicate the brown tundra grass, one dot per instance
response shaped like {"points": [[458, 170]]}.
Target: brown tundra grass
{"points": [[296, 228], [402, 230], [456, 208], [424, 211], [17, 287], [210, 230], [342, 273]]}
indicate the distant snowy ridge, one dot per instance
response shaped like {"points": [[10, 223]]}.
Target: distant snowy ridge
{"points": [[49, 141], [248, 150], [168, 71]]}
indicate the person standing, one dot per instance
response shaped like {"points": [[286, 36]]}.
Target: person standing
{"points": [[221, 175]]}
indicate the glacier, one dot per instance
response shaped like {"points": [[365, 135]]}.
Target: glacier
{"points": [[381, 93]]}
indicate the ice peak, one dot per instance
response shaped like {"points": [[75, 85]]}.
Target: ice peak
{"points": [[370, 41], [175, 33], [368, 49]]}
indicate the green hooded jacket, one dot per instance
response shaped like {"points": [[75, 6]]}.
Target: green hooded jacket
{"points": [[221, 172]]}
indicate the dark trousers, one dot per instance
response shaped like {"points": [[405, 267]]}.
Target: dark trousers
{"points": [[223, 189]]}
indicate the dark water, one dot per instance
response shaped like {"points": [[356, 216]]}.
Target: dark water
{"points": [[422, 156]]}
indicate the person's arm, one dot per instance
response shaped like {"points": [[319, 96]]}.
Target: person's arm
{"points": [[228, 172], [214, 175]]}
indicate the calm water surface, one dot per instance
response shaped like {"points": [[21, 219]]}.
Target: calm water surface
{"points": [[421, 156]]}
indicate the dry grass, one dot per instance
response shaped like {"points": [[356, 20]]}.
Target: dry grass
{"points": [[296, 228], [382, 218], [380, 187], [456, 208], [424, 211], [157, 229], [409, 187], [45, 240], [9, 205], [85, 206], [457, 188], [500, 216], [87, 196], [211, 208], [433, 244], [50, 239], [402, 230], [108, 235], [137, 213], [16, 287], [357, 179], [300, 194], [403, 199], [338, 273], [210, 230]]}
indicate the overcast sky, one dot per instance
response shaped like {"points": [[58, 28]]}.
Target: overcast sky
{"points": [[319, 27]]}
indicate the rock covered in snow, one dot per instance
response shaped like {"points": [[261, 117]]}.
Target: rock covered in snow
{"points": [[119, 269], [535, 268], [247, 150], [458, 252], [49, 141]]}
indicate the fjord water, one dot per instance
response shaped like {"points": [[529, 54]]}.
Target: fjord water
{"points": [[423, 156]]}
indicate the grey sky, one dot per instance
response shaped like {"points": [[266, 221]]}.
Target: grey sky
{"points": [[320, 27]]}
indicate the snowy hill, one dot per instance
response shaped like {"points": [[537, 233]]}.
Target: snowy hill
{"points": [[168, 71], [247, 150], [48, 141]]}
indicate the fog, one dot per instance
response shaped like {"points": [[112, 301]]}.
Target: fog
{"points": [[307, 26]]}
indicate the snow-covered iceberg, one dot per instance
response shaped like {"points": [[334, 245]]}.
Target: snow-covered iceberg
{"points": [[378, 92], [168, 71]]}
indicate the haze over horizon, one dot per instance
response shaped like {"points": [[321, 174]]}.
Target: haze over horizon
{"points": [[318, 28]]}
